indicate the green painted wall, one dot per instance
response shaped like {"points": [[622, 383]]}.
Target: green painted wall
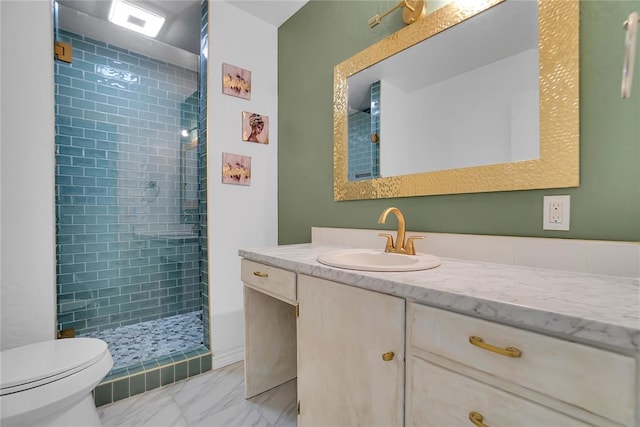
{"points": [[323, 33]]}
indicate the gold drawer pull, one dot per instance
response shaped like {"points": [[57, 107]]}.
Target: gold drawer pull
{"points": [[477, 419], [388, 356], [509, 351], [259, 274]]}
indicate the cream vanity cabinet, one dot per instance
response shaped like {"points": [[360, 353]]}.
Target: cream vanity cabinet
{"points": [[350, 355], [466, 371], [347, 347]]}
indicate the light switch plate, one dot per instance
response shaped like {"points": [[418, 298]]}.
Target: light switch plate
{"points": [[556, 213]]}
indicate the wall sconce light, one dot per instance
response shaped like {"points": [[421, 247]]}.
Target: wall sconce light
{"points": [[413, 10], [631, 27]]}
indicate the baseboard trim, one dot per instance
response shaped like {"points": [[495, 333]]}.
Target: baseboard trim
{"points": [[220, 360]]}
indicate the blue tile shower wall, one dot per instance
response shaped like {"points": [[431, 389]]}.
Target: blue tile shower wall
{"points": [[364, 156], [118, 120], [359, 145]]}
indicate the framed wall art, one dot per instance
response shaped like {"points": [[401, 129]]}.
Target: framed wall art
{"points": [[236, 81], [255, 128], [236, 169]]}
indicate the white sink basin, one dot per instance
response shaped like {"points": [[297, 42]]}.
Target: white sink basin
{"points": [[377, 260]]}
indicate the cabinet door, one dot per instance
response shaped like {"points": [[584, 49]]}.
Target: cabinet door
{"points": [[343, 332]]}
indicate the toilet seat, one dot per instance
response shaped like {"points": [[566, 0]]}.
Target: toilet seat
{"points": [[35, 365]]}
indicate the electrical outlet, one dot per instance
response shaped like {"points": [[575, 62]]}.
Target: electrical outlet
{"points": [[555, 212], [555, 215]]}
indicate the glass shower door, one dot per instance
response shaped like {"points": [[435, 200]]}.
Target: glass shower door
{"points": [[129, 241]]}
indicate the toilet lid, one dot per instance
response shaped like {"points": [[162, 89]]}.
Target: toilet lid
{"points": [[40, 363]]}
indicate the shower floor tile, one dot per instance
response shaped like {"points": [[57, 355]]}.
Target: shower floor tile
{"points": [[144, 342]]}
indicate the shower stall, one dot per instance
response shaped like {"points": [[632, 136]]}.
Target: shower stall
{"points": [[131, 205]]}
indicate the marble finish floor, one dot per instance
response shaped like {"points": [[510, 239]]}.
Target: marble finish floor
{"points": [[215, 398], [148, 340]]}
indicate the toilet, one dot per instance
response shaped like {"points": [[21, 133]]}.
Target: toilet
{"points": [[49, 383]]}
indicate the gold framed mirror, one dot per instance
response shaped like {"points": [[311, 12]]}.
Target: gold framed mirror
{"points": [[556, 162]]}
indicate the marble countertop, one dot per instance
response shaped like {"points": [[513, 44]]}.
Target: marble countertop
{"points": [[596, 309]]}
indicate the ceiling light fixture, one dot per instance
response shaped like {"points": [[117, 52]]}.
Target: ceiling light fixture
{"points": [[135, 18]]}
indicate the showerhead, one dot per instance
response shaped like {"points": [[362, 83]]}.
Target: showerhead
{"points": [[185, 133]]}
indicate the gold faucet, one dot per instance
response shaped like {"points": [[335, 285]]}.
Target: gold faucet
{"points": [[399, 246]]}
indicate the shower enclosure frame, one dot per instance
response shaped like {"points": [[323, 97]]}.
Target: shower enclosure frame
{"points": [[128, 380]]}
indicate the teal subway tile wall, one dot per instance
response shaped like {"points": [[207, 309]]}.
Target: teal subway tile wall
{"points": [[119, 118], [364, 127]]}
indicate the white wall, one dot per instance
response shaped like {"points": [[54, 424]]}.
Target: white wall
{"points": [[27, 223], [239, 216]]}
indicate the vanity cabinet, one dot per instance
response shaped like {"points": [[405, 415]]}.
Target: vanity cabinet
{"points": [[460, 367], [350, 355], [364, 357]]}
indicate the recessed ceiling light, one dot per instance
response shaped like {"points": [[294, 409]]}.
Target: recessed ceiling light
{"points": [[135, 18]]}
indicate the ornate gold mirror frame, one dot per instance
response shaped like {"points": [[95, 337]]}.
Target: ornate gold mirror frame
{"points": [[558, 164]]}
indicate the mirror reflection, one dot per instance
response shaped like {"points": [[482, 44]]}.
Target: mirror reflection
{"points": [[465, 97]]}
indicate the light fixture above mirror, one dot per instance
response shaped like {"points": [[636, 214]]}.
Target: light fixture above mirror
{"points": [[555, 160], [412, 10]]}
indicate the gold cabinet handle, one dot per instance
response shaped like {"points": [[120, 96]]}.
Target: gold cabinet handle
{"points": [[388, 356], [259, 274], [509, 351], [477, 419]]}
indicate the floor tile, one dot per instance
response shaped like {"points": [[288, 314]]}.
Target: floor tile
{"points": [[215, 398]]}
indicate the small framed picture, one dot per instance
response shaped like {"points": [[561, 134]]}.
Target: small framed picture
{"points": [[236, 169], [236, 81], [255, 128]]}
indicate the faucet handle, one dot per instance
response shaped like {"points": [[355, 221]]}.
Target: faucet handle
{"points": [[389, 246], [411, 249]]}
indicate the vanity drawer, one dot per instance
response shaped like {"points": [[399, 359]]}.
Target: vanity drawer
{"points": [[272, 281], [438, 397], [597, 380]]}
